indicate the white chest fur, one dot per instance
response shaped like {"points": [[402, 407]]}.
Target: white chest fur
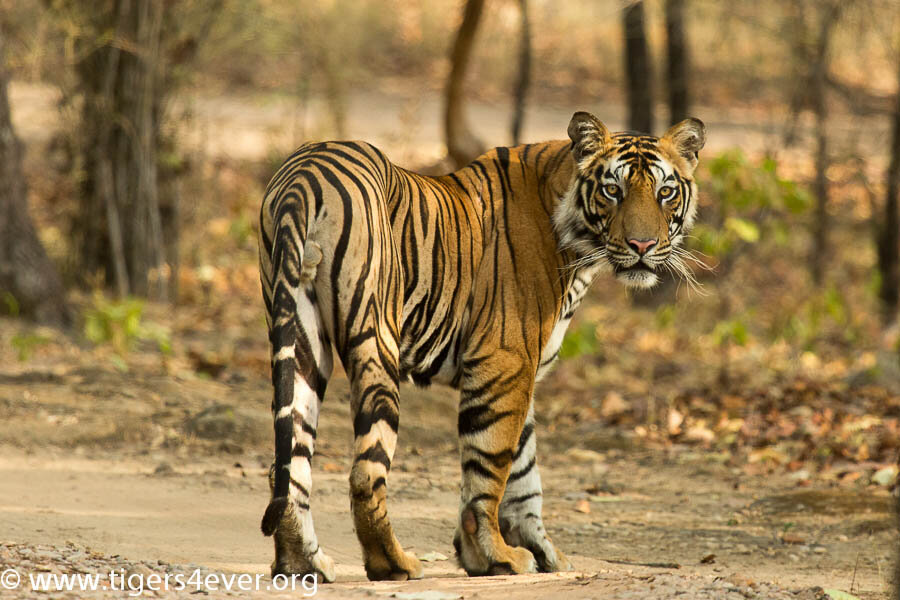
{"points": [[578, 287]]}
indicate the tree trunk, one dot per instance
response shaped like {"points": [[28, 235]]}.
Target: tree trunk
{"points": [[29, 282], [888, 248], [462, 145], [818, 91], [638, 73], [523, 77], [121, 228], [665, 291], [677, 61]]}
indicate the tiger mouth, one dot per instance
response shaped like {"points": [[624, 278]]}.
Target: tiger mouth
{"points": [[636, 267]]}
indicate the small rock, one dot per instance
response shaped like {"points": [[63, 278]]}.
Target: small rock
{"points": [[584, 455], [222, 422], [583, 506], [432, 557]]}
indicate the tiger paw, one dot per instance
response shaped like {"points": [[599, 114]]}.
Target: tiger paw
{"points": [[550, 559], [501, 559], [401, 566], [517, 560], [319, 564]]}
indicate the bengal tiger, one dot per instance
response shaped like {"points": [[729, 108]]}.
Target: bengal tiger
{"points": [[468, 279]]}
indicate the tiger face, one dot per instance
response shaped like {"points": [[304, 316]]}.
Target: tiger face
{"points": [[632, 198]]}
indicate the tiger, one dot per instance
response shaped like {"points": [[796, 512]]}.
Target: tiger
{"points": [[467, 279]]}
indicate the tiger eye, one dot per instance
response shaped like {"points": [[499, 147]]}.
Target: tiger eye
{"points": [[666, 192], [611, 189]]}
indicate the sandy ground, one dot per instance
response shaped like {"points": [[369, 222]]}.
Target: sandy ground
{"points": [[138, 465]]}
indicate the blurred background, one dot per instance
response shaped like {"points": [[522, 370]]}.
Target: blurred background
{"points": [[136, 139]]}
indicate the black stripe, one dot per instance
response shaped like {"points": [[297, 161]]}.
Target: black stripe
{"points": [[478, 418], [375, 453], [473, 466], [520, 499], [522, 472]]}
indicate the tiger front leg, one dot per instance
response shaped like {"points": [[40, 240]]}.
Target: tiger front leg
{"points": [[492, 413], [520, 512]]}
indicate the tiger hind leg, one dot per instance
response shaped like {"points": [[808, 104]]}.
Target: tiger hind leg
{"points": [[520, 512], [301, 366], [375, 410]]}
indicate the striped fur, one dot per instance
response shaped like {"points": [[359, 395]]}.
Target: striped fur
{"points": [[468, 279]]}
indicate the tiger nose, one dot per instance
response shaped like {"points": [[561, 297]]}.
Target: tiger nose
{"points": [[641, 246]]}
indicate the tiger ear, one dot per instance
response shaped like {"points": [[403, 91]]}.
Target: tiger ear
{"points": [[687, 137], [589, 136]]}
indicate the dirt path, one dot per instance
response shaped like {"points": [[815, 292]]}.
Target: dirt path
{"points": [[241, 126], [137, 465]]}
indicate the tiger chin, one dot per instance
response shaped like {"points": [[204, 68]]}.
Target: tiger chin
{"points": [[468, 279]]}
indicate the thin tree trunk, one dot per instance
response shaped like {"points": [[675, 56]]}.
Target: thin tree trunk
{"points": [[28, 279], [523, 77], [677, 61], [818, 91], [665, 291], [638, 73], [462, 145], [888, 243]]}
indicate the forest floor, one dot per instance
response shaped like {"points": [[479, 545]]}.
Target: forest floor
{"points": [[675, 462], [119, 468]]}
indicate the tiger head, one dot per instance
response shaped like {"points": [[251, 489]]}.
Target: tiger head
{"points": [[632, 198]]}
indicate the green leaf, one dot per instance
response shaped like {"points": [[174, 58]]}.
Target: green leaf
{"points": [[839, 595], [26, 343], [579, 341], [119, 363], [744, 229], [12, 305]]}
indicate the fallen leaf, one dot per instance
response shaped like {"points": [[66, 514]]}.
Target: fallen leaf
{"points": [[583, 506], [331, 467], [708, 559], [432, 557], [674, 421], [885, 476], [699, 433], [839, 595], [851, 476], [793, 538], [583, 455], [613, 405]]}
